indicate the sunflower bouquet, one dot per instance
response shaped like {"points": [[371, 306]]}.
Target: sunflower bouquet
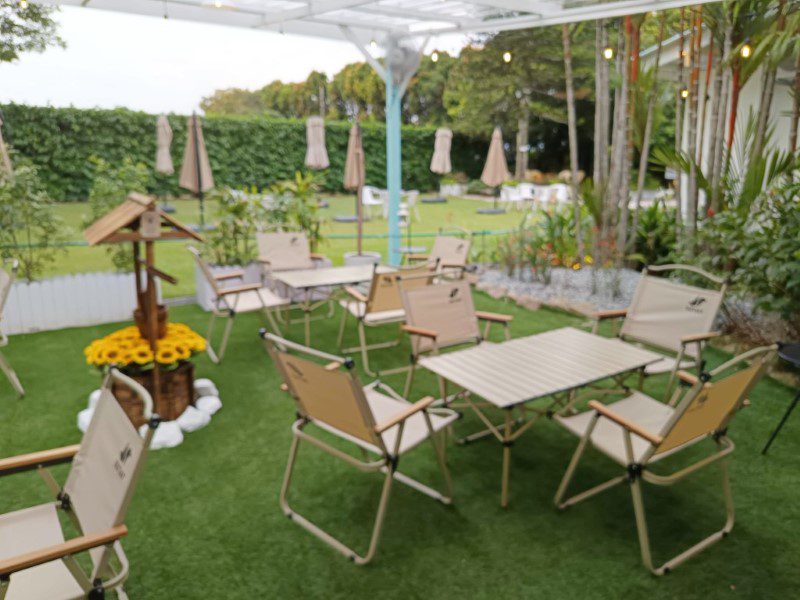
{"points": [[127, 348]]}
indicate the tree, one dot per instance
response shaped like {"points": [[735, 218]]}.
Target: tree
{"points": [[26, 27], [424, 99], [566, 40], [233, 101]]}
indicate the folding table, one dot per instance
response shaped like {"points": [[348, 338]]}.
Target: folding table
{"points": [[507, 375], [308, 280]]}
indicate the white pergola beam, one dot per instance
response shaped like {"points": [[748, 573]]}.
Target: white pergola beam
{"points": [[320, 7]]}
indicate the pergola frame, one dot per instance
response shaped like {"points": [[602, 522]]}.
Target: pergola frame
{"points": [[388, 22]]}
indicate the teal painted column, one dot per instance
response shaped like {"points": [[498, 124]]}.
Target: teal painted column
{"points": [[393, 165]]}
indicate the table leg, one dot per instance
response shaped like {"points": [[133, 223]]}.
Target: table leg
{"points": [[507, 441], [307, 317], [783, 421]]}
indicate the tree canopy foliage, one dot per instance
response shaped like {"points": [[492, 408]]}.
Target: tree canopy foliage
{"points": [[26, 27]]}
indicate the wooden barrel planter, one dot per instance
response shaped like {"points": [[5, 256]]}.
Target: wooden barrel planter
{"points": [[141, 321], [177, 393]]}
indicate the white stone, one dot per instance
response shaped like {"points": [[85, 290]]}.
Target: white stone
{"points": [[167, 435], [205, 387], [93, 398], [208, 404], [84, 418], [193, 419]]}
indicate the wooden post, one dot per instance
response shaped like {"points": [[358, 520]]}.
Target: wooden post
{"points": [[151, 310], [137, 273]]}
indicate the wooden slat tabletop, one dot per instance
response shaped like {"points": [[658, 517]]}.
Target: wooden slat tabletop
{"points": [[333, 276], [539, 365]]}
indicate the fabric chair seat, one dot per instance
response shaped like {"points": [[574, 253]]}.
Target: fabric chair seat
{"points": [[609, 438], [666, 365], [252, 300], [32, 529], [383, 408], [357, 309]]}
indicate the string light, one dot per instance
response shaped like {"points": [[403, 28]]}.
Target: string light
{"points": [[747, 50], [217, 3], [506, 57], [373, 44], [608, 53], [23, 3], [684, 93], [435, 56]]}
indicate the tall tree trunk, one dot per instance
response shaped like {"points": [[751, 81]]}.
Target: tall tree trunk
{"points": [[736, 88], [572, 126], [644, 155], [717, 123], [691, 117], [623, 192], [611, 195], [767, 90], [679, 101], [521, 165], [598, 174], [795, 105]]}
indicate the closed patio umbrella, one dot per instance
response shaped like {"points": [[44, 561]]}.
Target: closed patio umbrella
{"points": [[355, 175], [196, 173], [440, 161], [495, 171], [163, 142], [316, 154], [5, 159]]}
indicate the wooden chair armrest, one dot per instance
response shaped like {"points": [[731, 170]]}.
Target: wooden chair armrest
{"points": [[236, 274], [51, 553], [238, 289], [412, 256], [405, 413], [317, 256], [686, 377], [623, 422], [429, 333], [615, 313], [284, 387], [495, 317], [700, 337], [34, 460], [356, 294]]}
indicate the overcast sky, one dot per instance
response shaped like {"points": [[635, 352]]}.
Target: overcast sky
{"points": [[158, 65]]}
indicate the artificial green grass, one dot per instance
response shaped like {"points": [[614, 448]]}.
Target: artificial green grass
{"points": [[456, 213], [205, 521]]}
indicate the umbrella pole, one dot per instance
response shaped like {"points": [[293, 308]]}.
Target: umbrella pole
{"points": [[199, 173], [359, 219]]}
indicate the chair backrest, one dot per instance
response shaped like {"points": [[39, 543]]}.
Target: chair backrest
{"points": [[205, 269], [6, 280], [284, 250], [371, 194], [384, 291], [450, 251], [708, 407], [329, 394], [104, 472], [447, 309], [663, 311]]}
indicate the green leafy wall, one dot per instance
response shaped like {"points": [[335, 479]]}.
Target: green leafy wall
{"points": [[243, 151]]}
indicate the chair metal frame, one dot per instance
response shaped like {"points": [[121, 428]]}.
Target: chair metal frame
{"points": [[699, 339], [104, 575], [5, 366], [637, 471], [387, 460]]}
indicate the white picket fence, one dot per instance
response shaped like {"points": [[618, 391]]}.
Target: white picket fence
{"points": [[70, 301]]}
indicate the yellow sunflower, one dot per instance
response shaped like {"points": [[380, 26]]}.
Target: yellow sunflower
{"points": [[166, 355], [142, 355]]}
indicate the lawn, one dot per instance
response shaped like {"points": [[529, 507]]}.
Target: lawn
{"points": [[456, 213], [205, 521]]}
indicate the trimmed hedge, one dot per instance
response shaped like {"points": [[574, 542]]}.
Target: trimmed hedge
{"points": [[243, 151]]}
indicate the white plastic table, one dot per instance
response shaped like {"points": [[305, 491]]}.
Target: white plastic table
{"points": [[308, 280], [554, 364]]}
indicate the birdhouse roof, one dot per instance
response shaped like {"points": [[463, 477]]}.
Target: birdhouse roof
{"points": [[122, 223]]}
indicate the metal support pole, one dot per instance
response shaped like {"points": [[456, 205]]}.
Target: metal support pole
{"points": [[394, 95]]}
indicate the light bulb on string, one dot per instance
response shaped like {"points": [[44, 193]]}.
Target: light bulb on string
{"points": [[747, 51], [23, 3], [684, 93], [608, 53], [506, 56], [435, 56]]}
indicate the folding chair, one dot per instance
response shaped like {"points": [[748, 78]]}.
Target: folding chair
{"points": [[373, 418], [442, 316], [450, 253], [382, 306], [6, 280], [638, 431], [37, 561], [670, 317], [230, 300]]}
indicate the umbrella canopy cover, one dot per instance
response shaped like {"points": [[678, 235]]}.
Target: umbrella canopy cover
{"points": [[196, 171], [316, 154], [354, 169], [495, 171], [440, 161], [163, 142], [5, 159]]}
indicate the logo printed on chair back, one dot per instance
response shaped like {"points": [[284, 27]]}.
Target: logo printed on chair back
{"points": [[119, 464], [696, 304]]}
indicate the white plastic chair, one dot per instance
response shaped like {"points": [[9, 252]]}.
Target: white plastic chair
{"points": [[371, 198]]}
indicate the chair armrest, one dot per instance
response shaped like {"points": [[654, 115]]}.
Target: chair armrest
{"points": [[238, 289], [429, 333], [317, 256], [34, 460], [495, 317], [236, 274], [412, 256], [686, 377], [355, 294], [700, 337], [616, 313], [405, 413], [623, 422], [51, 553]]}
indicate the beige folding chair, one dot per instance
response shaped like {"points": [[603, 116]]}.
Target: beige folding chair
{"points": [[37, 561], [450, 253], [671, 317], [382, 306], [6, 280], [442, 316], [373, 418], [230, 300], [638, 431]]}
